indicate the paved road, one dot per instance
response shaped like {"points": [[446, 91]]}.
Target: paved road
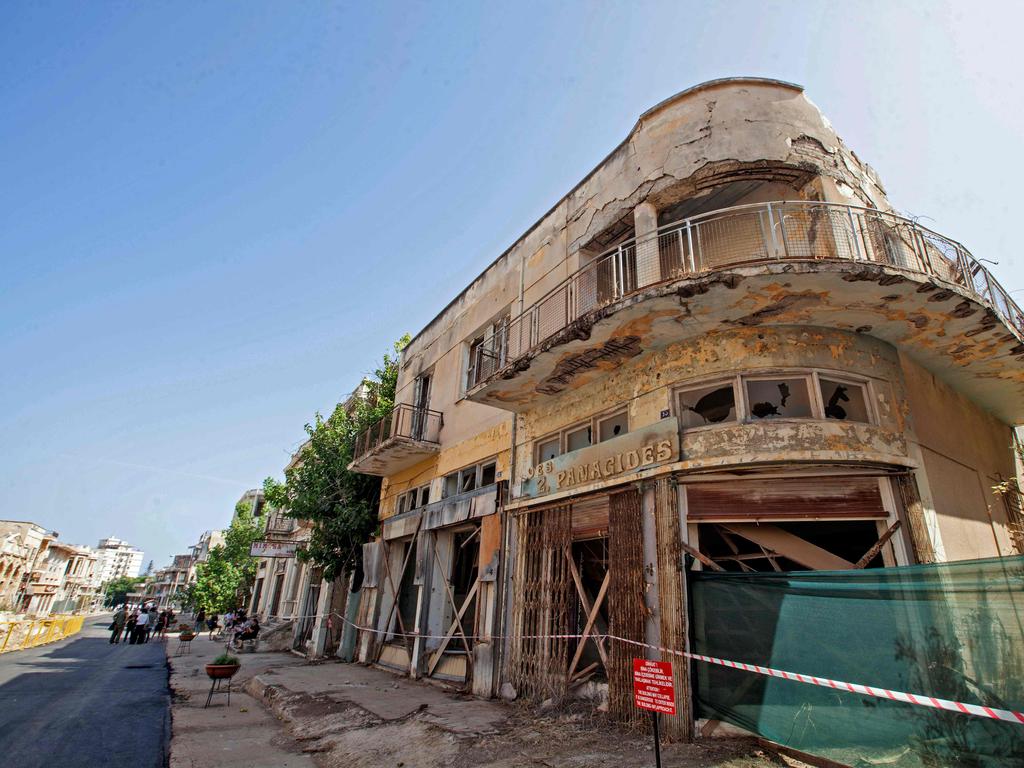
{"points": [[82, 702]]}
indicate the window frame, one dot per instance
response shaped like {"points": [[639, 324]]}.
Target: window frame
{"points": [[843, 378], [477, 470], [738, 399], [481, 336], [813, 396], [813, 378], [593, 423]]}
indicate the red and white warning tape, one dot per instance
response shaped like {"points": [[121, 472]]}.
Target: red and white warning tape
{"points": [[1006, 715]]}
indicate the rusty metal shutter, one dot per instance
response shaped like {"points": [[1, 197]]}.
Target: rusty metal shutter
{"points": [[590, 517], [785, 499]]}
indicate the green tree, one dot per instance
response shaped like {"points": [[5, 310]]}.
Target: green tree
{"points": [[227, 576], [115, 590], [342, 505]]}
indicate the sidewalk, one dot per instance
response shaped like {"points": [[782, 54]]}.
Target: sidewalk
{"points": [[331, 714]]}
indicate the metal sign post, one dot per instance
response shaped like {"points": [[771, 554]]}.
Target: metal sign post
{"points": [[654, 690]]}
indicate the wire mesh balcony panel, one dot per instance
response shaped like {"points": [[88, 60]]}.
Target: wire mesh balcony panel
{"points": [[748, 234]]}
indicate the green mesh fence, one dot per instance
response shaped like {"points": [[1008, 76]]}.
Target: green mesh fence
{"points": [[952, 631]]}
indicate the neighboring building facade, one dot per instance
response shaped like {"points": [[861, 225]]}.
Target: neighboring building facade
{"points": [[45, 592], [297, 605], [254, 499], [208, 540], [78, 592], [117, 558], [723, 341], [20, 545]]}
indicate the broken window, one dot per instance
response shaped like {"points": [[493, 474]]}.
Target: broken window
{"points": [[451, 485], [488, 475], [472, 373], [402, 504], [424, 495], [843, 400], [710, 404], [779, 398], [613, 426], [580, 438], [548, 449], [470, 478]]}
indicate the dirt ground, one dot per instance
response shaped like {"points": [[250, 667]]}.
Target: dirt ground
{"points": [[286, 711], [340, 734]]}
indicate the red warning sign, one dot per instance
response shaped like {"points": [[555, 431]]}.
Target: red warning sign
{"points": [[653, 687]]}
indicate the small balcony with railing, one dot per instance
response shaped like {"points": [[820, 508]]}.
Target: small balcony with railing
{"points": [[406, 436], [786, 262], [280, 526]]}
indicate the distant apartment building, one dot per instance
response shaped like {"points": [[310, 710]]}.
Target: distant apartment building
{"points": [[117, 558], [722, 341]]}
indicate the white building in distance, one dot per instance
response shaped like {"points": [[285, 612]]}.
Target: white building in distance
{"points": [[116, 558]]}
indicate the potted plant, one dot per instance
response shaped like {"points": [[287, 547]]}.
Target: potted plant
{"points": [[187, 635], [224, 666], [183, 627]]}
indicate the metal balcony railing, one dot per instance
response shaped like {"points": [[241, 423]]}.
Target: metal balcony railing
{"points": [[280, 524], [406, 421], [745, 234]]}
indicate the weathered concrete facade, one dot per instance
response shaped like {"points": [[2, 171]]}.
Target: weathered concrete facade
{"points": [[722, 344]]}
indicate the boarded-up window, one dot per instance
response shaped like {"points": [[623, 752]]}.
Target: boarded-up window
{"points": [[785, 499]]}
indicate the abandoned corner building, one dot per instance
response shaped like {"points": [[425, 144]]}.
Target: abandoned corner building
{"points": [[722, 349]]}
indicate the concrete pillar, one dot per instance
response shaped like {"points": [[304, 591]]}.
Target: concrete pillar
{"points": [[648, 264]]}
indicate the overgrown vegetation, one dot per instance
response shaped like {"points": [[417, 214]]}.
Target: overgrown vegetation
{"points": [[225, 579], [116, 590], [342, 505]]}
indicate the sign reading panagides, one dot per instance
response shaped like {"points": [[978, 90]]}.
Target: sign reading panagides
{"points": [[648, 446]]}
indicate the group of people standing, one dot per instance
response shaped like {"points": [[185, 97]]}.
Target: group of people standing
{"points": [[138, 626]]}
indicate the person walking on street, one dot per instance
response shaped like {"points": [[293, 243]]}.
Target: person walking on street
{"points": [[129, 627], [200, 621], [212, 624], [141, 627], [117, 625]]}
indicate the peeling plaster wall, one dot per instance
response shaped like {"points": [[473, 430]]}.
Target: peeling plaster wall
{"points": [[646, 382], [965, 451]]}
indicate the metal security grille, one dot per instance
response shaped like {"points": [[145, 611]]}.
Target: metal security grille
{"points": [[626, 608], [543, 592]]}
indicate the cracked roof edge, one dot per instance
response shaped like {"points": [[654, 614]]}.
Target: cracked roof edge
{"points": [[632, 131]]}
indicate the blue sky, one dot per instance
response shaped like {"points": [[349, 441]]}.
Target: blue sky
{"points": [[214, 218]]}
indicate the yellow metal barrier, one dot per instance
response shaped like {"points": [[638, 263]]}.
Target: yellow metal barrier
{"points": [[17, 635]]}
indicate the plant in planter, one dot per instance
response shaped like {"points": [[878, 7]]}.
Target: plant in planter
{"points": [[187, 635], [184, 627], [224, 666]]}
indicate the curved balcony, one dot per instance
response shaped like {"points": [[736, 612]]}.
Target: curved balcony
{"points": [[404, 437], [819, 257]]}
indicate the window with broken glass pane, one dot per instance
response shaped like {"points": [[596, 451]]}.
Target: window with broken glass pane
{"points": [[844, 400], [710, 404], [613, 426], [781, 398], [548, 449]]}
